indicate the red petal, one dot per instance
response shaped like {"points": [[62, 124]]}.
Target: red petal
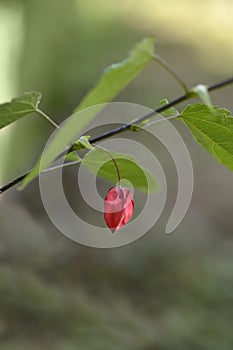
{"points": [[118, 208]]}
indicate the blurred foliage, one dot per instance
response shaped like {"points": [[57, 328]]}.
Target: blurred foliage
{"points": [[161, 292]]}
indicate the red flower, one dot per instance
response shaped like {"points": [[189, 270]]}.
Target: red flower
{"points": [[118, 208]]}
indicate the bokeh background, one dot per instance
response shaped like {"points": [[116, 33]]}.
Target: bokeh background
{"points": [[161, 292]]}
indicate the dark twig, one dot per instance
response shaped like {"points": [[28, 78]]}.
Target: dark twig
{"points": [[125, 127]]}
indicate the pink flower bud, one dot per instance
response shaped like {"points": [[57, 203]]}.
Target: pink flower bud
{"points": [[118, 208]]}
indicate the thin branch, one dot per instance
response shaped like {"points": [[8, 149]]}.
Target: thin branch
{"points": [[20, 178], [156, 111], [220, 84], [125, 127], [14, 182], [128, 126]]}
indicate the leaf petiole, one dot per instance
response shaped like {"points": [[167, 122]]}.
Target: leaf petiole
{"points": [[61, 166], [165, 65], [41, 113]]}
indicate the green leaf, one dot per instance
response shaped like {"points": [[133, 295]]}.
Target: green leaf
{"points": [[202, 92], [119, 75], [19, 107], [84, 141], [114, 79], [72, 157], [170, 112], [100, 163], [212, 129]]}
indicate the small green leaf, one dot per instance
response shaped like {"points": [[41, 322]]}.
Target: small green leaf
{"points": [[98, 162], [19, 107], [137, 126], [119, 75], [84, 141], [114, 79], [201, 91], [72, 157], [170, 112], [212, 129]]}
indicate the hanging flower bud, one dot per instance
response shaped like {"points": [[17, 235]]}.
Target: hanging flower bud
{"points": [[118, 208]]}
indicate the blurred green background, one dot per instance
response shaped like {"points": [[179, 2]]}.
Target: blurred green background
{"points": [[161, 292]]}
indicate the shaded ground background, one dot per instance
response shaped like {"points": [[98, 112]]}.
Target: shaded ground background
{"points": [[161, 292]]}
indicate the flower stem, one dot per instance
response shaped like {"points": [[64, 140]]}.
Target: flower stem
{"points": [[113, 159]]}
